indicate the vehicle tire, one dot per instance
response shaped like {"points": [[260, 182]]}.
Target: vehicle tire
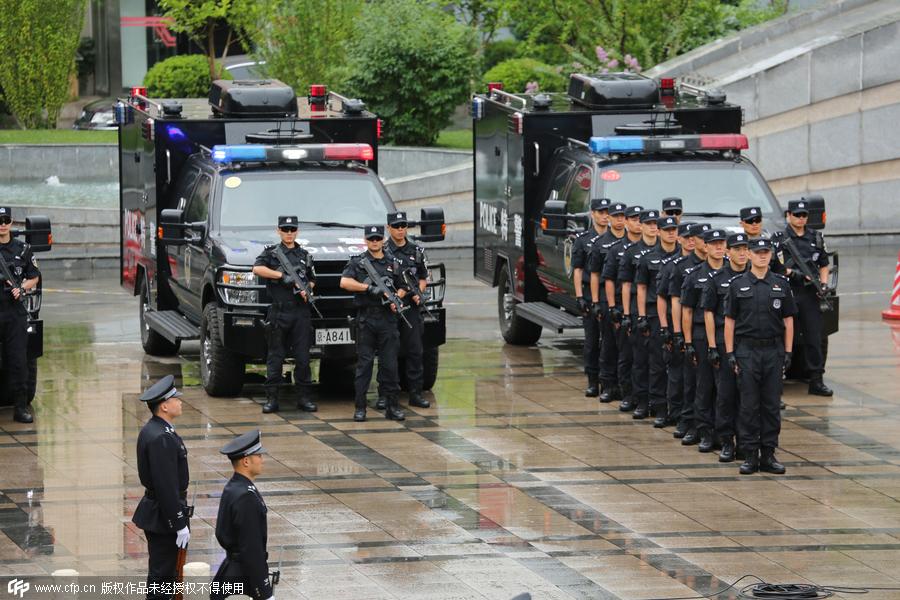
{"points": [[515, 330], [429, 366], [221, 372], [152, 342]]}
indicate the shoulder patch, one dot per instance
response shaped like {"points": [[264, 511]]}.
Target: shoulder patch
{"points": [[744, 289]]}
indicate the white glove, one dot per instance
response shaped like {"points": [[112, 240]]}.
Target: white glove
{"points": [[184, 536]]}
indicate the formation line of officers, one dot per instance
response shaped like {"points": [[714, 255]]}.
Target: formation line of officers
{"points": [[695, 326]]}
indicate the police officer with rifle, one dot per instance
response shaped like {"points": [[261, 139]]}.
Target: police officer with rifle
{"points": [[806, 266], [376, 282], [20, 274], [290, 278]]}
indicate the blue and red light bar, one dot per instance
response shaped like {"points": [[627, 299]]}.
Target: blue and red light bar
{"points": [[631, 144], [298, 153]]}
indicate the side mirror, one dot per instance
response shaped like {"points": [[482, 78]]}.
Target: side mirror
{"points": [[198, 232], [171, 227], [38, 234], [432, 227], [553, 218], [817, 215]]}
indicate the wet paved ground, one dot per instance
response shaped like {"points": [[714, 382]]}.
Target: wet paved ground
{"points": [[512, 482]]}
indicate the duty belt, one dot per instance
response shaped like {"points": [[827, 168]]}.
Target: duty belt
{"points": [[152, 495], [759, 342]]}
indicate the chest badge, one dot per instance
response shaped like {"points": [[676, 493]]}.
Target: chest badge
{"points": [[776, 303]]}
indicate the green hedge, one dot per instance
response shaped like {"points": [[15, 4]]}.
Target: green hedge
{"points": [[184, 76], [516, 73]]}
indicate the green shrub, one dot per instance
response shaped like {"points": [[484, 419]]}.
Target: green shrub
{"points": [[413, 65], [516, 73], [497, 52], [184, 76]]}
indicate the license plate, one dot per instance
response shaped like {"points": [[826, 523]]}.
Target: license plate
{"points": [[328, 337]]}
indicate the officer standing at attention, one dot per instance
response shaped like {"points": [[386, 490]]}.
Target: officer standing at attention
{"points": [[609, 353], [647, 324], [289, 323], [241, 526], [672, 207], [376, 322], [811, 248], [695, 341], [581, 278], [639, 336], [673, 359], [412, 260], [752, 222], [713, 304], [613, 288], [162, 465], [759, 332], [13, 316]]}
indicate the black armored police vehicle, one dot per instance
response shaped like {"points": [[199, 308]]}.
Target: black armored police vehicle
{"points": [[541, 158], [202, 186]]}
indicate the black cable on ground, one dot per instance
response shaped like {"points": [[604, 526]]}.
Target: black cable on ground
{"points": [[783, 591]]}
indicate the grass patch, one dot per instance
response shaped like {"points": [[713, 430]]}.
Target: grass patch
{"points": [[459, 139], [57, 136]]}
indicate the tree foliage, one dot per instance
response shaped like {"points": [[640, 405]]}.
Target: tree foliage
{"points": [[185, 76], [517, 73], [38, 41], [413, 65], [302, 41]]}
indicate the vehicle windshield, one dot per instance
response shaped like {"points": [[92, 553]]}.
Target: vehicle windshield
{"points": [[713, 188], [257, 198]]}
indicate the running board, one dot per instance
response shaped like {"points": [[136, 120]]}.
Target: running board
{"points": [[171, 325], [548, 316]]}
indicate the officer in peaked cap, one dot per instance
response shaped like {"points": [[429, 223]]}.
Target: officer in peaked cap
{"points": [[289, 320], [672, 207], [162, 464], [241, 526], [759, 332], [752, 223], [600, 250]]}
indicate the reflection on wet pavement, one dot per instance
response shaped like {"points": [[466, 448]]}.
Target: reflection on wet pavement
{"points": [[511, 482]]}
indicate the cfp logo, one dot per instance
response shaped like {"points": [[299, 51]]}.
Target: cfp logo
{"points": [[17, 587]]}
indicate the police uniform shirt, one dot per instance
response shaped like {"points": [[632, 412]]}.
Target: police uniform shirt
{"points": [[298, 257], [680, 271], [410, 256], [386, 266], [810, 246], [715, 294], [21, 264], [242, 531], [599, 250], [628, 266], [759, 306], [163, 470], [582, 251], [611, 266], [649, 270], [692, 289]]}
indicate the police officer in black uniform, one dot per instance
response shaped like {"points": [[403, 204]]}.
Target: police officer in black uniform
{"points": [[609, 378], [811, 246], [241, 526], [647, 324], [639, 331], [759, 332], [612, 286], [752, 223], [13, 316], [582, 249], [376, 322], [162, 465], [672, 207], [696, 343], [289, 324], [713, 304], [411, 258]]}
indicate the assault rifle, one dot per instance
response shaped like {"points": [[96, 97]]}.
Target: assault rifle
{"points": [[809, 278], [8, 277], [413, 284], [385, 289], [301, 281]]}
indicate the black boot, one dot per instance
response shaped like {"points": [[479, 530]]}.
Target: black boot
{"points": [[607, 392], [751, 463], [380, 403], [817, 387], [305, 404], [706, 441], [416, 399], [593, 388], [769, 464], [681, 430], [727, 453], [393, 412], [690, 438], [661, 413], [641, 411], [360, 414], [22, 412], [271, 405]]}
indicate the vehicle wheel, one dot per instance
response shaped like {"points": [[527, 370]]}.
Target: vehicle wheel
{"points": [[221, 372], [429, 366], [152, 342], [515, 330]]}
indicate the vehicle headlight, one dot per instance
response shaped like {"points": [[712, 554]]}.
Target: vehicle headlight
{"points": [[233, 296], [436, 283], [231, 282], [32, 302], [238, 278]]}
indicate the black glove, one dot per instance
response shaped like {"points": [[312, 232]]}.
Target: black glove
{"points": [[678, 342], [616, 314], [626, 324], [287, 279], [643, 326], [733, 363], [665, 334], [796, 278], [712, 354], [788, 356], [596, 312], [690, 353], [584, 305], [374, 292]]}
